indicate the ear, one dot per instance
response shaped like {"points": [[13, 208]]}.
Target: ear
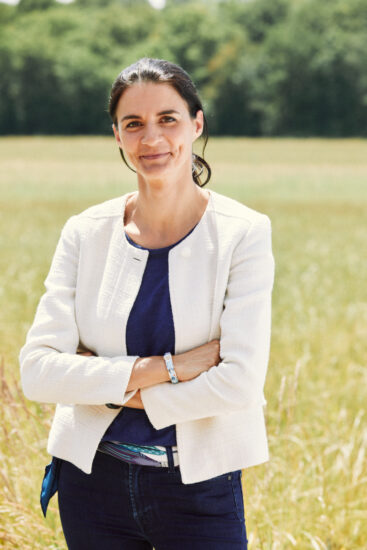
{"points": [[117, 136], [198, 125]]}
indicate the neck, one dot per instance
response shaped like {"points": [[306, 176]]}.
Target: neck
{"points": [[160, 210]]}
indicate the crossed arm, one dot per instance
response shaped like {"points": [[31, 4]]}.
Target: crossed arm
{"points": [[148, 371], [52, 372]]}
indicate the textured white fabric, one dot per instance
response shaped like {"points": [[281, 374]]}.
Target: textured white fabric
{"points": [[220, 278]]}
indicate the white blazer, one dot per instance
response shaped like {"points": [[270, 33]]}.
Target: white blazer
{"points": [[220, 280]]}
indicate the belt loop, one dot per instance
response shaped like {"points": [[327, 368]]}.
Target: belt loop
{"points": [[171, 463]]}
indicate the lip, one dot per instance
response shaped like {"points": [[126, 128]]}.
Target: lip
{"points": [[152, 157]]}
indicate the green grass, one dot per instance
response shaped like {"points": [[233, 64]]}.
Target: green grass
{"points": [[312, 493]]}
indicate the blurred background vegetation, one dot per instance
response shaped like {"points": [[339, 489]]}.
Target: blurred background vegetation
{"points": [[263, 67], [311, 495], [272, 74]]}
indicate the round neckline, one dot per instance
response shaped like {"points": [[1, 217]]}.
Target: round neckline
{"points": [[158, 250], [135, 245]]}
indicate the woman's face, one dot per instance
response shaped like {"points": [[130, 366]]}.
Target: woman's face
{"points": [[155, 130]]}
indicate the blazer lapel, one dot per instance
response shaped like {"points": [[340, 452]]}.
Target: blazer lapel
{"points": [[193, 270], [123, 273]]}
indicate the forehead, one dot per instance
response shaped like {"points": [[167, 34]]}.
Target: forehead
{"points": [[147, 97]]}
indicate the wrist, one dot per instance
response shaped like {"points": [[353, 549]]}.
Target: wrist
{"points": [[171, 368], [160, 365], [148, 371]]}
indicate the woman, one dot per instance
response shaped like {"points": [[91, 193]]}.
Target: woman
{"points": [[153, 339]]}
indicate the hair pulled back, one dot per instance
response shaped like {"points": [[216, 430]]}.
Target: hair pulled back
{"points": [[148, 69]]}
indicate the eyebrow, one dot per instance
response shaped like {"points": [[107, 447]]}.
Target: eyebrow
{"points": [[166, 112]]}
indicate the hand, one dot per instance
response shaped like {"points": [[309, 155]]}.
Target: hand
{"points": [[87, 353], [190, 364], [135, 401]]}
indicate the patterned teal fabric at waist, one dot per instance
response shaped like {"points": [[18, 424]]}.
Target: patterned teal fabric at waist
{"points": [[138, 454]]}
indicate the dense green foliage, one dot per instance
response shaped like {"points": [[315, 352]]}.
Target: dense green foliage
{"points": [[262, 67]]}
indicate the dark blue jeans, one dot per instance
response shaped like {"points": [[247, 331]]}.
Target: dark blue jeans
{"points": [[123, 506]]}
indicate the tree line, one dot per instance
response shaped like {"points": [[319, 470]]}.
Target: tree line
{"points": [[262, 67]]}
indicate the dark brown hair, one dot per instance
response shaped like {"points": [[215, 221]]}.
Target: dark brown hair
{"points": [[148, 69]]}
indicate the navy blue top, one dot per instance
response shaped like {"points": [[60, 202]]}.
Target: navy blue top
{"points": [[149, 331]]}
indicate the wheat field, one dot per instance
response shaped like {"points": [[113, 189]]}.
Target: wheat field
{"points": [[312, 494]]}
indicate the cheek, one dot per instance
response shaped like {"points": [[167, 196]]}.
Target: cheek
{"points": [[128, 142], [183, 142]]}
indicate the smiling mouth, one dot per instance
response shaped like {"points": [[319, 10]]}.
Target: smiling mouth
{"points": [[152, 157]]}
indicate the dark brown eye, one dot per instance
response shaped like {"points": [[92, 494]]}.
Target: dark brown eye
{"points": [[133, 122]]}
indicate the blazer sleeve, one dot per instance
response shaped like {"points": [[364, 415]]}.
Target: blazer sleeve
{"points": [[238, 380], [51, 371]]}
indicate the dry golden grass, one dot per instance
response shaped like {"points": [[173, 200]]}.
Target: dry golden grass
{"points": [[312, 493]]}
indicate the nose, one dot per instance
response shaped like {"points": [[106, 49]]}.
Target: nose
{"points": [[152, 134]]}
